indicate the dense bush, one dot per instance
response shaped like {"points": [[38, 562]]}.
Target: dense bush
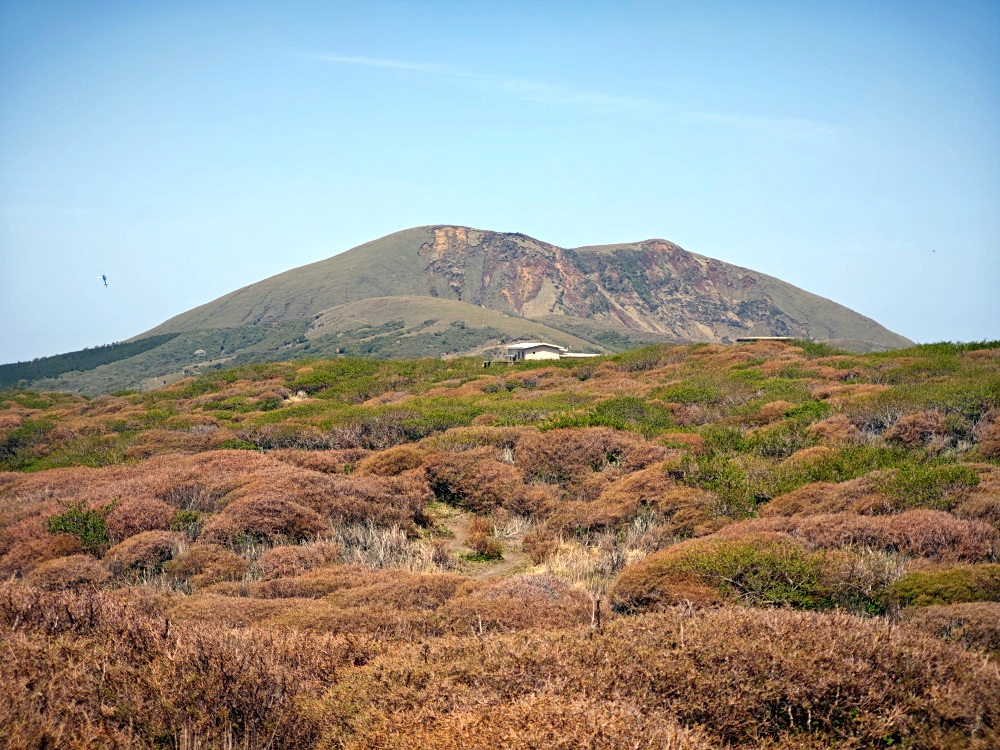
{"points": [[144, 553], [263, 518], [202, 564], [963, 583], [755, 570], [136, 515], [972, 624], [72, 572], [87, 524]]}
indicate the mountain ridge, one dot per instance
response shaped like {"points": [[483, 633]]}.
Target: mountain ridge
{"points": [[447, 290], [652, 285]]}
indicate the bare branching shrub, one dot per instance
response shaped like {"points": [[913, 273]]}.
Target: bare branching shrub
{"points": [[73, 572], [536, 721], [748, 676], [510, 604], [972, 624], [202, 564], [136, 515], [481, 540], [371, 546]]}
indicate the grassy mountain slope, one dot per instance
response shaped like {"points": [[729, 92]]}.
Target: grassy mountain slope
{"points": [[652, 287], [448, 290]]}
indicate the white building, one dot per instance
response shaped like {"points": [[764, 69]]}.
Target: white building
{"points": [[539, 350]]}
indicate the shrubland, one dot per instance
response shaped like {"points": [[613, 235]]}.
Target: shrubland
{"points": [[765, 545]]}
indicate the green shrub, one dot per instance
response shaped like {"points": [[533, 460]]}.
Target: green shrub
{"points": [[815, 349], [770, 573], [964, 583], [17, 445], [690, 393], [809, 412], [85, 524], [927, 486]]}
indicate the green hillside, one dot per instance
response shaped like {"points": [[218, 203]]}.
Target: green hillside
{"points": [[446, 290]]}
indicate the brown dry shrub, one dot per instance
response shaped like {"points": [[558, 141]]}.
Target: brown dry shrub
{"points": [[568, 456], [392, 461], [774, 410], [618, 502], [151, 443], [272, 518], [540, 542], [988, 438], [284, 562], [835, 430], [687, 415], [460, 439], [749, 676], [227, 611], [73, 572], [327, 462], [972, 624], [69, 656], [391, 604], [762, 569], [314, 584], [136, 515], [827, 497], [474, 479], [917, 429], [807, 456], [510, 604], [204, 564], [929, 534], [28, 542], [481, 540], [690, 440], [532, 722], [145, 552], [384, 501]]}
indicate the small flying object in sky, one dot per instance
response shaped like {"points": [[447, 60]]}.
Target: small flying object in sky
{"points": [[104, 278]]}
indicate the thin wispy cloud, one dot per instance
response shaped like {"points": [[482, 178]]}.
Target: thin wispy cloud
{"points": [[786, 128], [789, 128], [522, 87], [380, 62]]}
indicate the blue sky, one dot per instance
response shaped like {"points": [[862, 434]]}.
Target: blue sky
{"points": [[186, 149]]}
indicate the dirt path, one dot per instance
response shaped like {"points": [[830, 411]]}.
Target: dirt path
{"points": [[513, 560]]}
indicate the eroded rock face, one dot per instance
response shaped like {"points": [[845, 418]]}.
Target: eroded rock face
{"points": [[652, 286]]}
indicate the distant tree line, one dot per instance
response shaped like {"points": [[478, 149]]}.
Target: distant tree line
{"points": [[85, 359]]}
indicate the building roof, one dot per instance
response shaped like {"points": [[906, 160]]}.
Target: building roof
{"points": [[533, 344]]}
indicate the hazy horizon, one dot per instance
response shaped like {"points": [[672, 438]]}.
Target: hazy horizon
{"points": [[185, 151]]}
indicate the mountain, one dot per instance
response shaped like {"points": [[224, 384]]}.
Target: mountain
{"points": [[446, 290]]}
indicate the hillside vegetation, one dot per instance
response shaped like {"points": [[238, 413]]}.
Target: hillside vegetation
{"points": [[456, 291], [773, 545]]}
